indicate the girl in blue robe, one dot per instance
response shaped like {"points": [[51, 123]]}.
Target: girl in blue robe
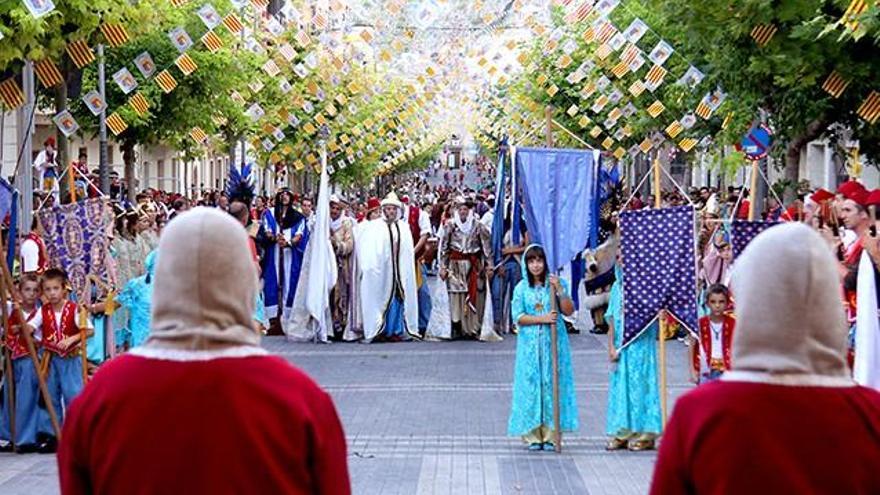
{"points": [[633, 419], [137, 298], [531, 414]]}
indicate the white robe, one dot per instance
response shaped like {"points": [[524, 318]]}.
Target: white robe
{"points": [[373, 251], [866, 368]]}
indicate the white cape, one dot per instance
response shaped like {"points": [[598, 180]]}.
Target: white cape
{"points": [[866, 369], [373, 251]]}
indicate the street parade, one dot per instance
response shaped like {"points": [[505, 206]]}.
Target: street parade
{"points": [[439, 246]]}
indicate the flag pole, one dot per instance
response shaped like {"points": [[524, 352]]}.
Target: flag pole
{"points": [[753, 192], [661, 319], [554, 351]]}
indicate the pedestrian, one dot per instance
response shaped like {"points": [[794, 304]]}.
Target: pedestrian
{"points": [[715, 335], [787, 418], [531, 414], [192, 410]]}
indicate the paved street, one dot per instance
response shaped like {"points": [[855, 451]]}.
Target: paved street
{"points": [[431, 417]]}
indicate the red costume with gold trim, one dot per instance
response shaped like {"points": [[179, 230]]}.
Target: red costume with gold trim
{"points": [[727, 327], [52, 334], [17, 345]]}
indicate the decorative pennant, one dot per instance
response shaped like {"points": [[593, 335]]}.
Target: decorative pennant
{"points": [[66, 123], [619, 152], [655, 76], [166, 81], [636, 29], [656, 109], [94, 102], [646, 145], [763, 33], [139, 103], [870, 108], [674, 129], [687, 144], [835, 84], [48, 73], [39, 8], [233, 23], [115, 34], [637, 88], [692, 78], [80, 52], [255, 112], [287, 52], [303, 38], [125, 80], [145, 65], [198, 135], [180, 39], [688, 121], [212, 42], [661, 53], [116, 124], [271, 68], [186, 64]]}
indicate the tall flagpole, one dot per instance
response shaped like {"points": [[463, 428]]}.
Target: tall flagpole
{"points": [[554, 351], [661, 319], [103, 165]]}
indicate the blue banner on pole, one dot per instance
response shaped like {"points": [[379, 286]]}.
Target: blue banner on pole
{"points": [[559, 191]]}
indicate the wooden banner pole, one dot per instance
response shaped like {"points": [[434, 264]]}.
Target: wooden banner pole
{"points": [[661, 319], [554, 338]]}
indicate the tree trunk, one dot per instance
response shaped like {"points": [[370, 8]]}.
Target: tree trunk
{"points": [[62, 157], [128, 157], [814, 130]]}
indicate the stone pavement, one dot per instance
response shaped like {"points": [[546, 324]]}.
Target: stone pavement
{"points": [[431, 417]]}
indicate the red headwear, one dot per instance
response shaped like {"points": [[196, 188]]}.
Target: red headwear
{"points": [[50, 141], [854, 191], [873, 198], [373, 204], [822, 195]]}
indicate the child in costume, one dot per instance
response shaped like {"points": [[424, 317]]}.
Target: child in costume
{"points": [[135, 298], [633, 419], [716, 335], [531, 414], [57, 320], [26, 384]]}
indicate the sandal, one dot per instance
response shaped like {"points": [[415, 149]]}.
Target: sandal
{"points": [[536, 446], [616, 444], [640, 445]]}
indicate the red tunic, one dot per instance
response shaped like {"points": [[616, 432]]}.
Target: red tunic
{"points": [[750, 438], [52, 334], [230, 425], [727, 327], [17, 344]]}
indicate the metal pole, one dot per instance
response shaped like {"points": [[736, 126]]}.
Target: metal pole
{"points": [[103, 166], [24, 179]]}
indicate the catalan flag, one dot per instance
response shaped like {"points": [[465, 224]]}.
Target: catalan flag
{"points": [[198, 135], [584, 121], [589, 35], [115, 34], [637, 88], [603, 51], [727, 119], [619, 152], [835, 84], [287, 51], [674, 129], [11, 94], [303, 38], [233, 23], [607, 143], [687, 144], [80, 53], [212, 42], [763, 33], [656, 108], [179, 3], [870, 108], [271, 68], [47, 73], [139, 103], [260, 4], [855, 9], [595, 132], [606, 32], [620, 69], [572, 110], [704, 110], [166, 81], [580, 14], [116, 125], [655, 75], [319, 21], [186, 64], [646, 145]]}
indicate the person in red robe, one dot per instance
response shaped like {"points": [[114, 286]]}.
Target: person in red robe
{"points": [[787, 418], [201, 407]]}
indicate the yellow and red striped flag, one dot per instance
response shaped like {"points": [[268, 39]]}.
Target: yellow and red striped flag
{"points": [[319, 21], [674, 129], [606, 32], [212, 42], [870, 108], [687, 144], [116, 124], [115, 34], [607, 143], [80, 53], [595, 131], [303, 38], [655, 75], [186, 64], [835, 84], [584, 121], [619, 152], [11, 94], [198, 135], [260, 4], [656, 109], [166, 81], [603, 51], [637, 88], [287, 51], [179, 3], [855, 9], [646, 145], [47, 73], [620, 69], [727, 119], [763, 33], [704, 110], [233, 23], [139, 103]]}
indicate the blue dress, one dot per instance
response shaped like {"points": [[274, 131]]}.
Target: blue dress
{"points": [[633, 395], [137, 298], [532, 404]]}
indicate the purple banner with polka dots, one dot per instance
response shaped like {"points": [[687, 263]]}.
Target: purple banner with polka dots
{"points": [[743, 231]]}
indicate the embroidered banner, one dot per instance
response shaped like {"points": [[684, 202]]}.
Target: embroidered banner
{"points": [[76, 240], [743, 231]]}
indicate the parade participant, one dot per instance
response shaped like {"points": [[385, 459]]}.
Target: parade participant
{"points": [[61, 334], [33, 251], [866, 338], [293, 242], [45, 166], [265, 436], [267, 241], [25, 377], [716, 334], [342, 240], [287, 218], [531, 415], [465, 265], [508, 272], [136, 297], [388, 294], [372, 211], [420, 228], [789, 384], [633, 418]]}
